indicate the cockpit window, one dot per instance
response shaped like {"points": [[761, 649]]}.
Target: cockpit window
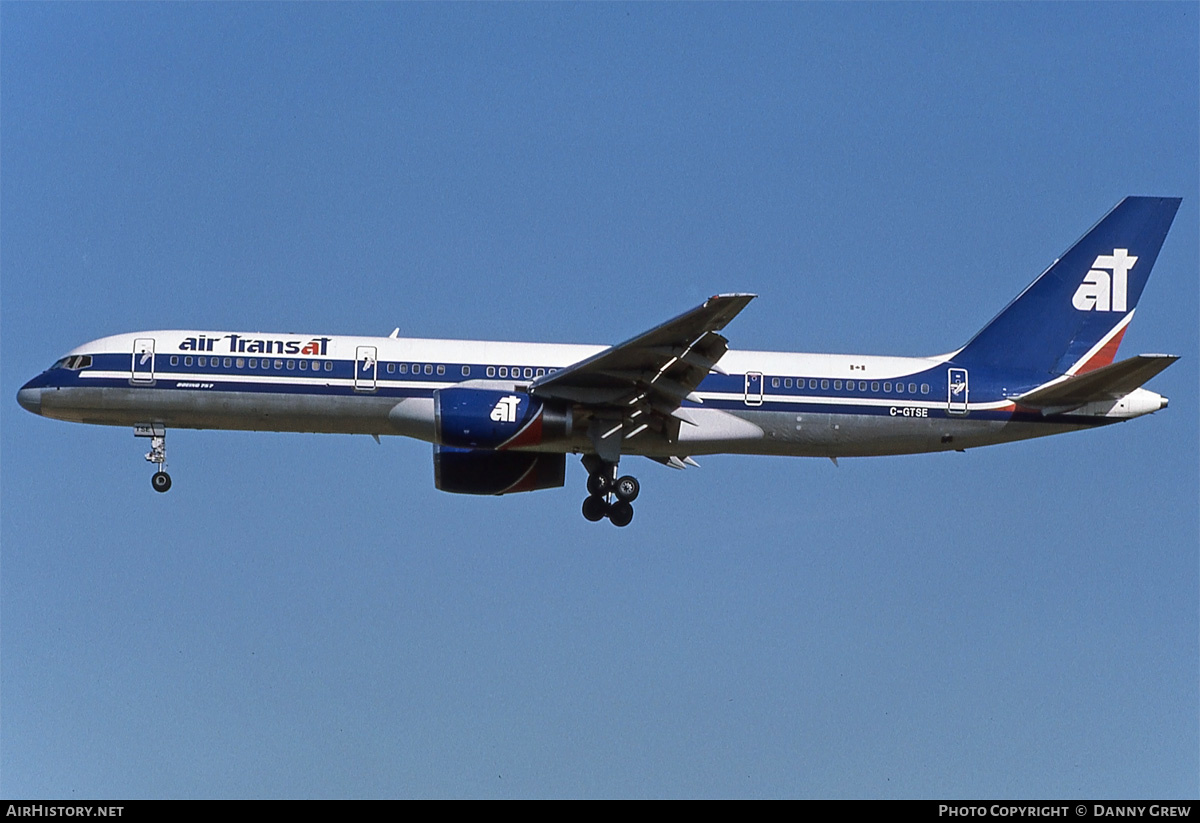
{"points": [[74, 362]]}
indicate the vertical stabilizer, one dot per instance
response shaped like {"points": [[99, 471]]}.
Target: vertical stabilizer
{"points": [[1071, 319]]}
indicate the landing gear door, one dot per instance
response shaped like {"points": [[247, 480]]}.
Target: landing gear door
{"points": [[366, 369], [958, 392], [754, 388], [142, 368]]}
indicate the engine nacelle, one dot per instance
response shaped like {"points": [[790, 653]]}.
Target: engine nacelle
{"points": [[470, 418], [468, 471]]}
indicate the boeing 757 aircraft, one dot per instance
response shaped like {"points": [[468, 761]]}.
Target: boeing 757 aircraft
{"points": [[503, 416]]}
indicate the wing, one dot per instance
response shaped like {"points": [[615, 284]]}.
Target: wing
{"points": [[641, 383]]}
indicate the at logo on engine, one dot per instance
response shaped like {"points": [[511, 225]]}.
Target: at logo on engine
{"points": [[505, 411]]}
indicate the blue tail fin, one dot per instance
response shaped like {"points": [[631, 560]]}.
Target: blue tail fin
{"points": [[1072, 317]]}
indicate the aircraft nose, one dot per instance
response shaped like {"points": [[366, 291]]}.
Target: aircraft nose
{"points": [[30, 399]]}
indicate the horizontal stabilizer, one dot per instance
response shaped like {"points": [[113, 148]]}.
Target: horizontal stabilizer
{"points": [[1110, 382]]}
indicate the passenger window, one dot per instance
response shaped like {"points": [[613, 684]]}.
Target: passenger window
{"points": [[404, 368], [774, 382], [887, 386], [837, 385], [491, 371], [812, 382], [924, 388], [528, 372], [428, 368], [441, 369], [174, 360], [241, 362], [187, 361], [328, 365], [304, 365], [540, 372], [825, 384], [875, 386], [254, 362], [466, 371], [391, 368], [201, 361], [291, 365], [787, 382], [912, 388], [504, 371], [279, 365]]}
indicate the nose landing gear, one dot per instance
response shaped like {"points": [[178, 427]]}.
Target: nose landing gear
{"points": [[161, 481], [608, 495]]}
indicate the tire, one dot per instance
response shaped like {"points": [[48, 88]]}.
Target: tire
{"points": [[628, 488], [620, 513], [594, 508], [597, 485], [161, 481]]}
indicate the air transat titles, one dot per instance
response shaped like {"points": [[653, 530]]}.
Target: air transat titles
{"points": [[318, 346]]}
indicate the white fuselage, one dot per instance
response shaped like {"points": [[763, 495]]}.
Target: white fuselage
{"points": [[760, 402]]}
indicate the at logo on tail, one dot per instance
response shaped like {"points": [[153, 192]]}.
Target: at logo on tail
{"points": [[1101, 292]]}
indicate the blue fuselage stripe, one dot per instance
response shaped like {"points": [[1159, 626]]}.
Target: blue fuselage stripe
{"points": [[726, 392]]}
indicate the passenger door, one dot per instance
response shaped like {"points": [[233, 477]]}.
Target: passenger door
{"points": [[956, 399], [754, 388], [141, 371], [366, 369]]}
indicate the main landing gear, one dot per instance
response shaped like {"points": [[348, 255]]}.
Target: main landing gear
{"points": [[161, 481], [608, 495]]}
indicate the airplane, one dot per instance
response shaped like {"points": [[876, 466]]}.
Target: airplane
{"points": [[502, 416]]}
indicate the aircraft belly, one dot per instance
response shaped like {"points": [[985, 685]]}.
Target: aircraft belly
{"points": [[854, 435]]}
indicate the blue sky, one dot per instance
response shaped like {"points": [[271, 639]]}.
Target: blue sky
{"points": [[305, 615]]}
